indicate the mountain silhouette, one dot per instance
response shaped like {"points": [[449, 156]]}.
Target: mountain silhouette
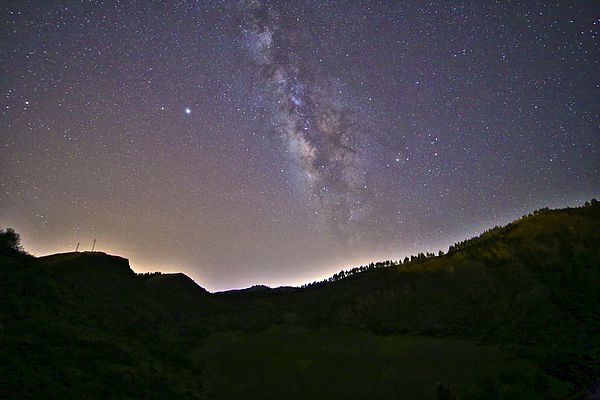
{"points": [[513, 313]]}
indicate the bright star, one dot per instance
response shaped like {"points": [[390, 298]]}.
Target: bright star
{"points": [[187, 110]]}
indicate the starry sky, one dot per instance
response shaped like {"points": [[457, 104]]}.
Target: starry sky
{"points": [[277, 142]]}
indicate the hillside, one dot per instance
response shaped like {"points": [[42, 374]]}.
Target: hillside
{"points": [[513, 313]]}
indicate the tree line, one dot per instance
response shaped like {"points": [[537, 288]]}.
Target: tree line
{"points": [[456, 247]]}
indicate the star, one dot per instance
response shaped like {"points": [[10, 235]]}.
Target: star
{"points": [[188, 110]]}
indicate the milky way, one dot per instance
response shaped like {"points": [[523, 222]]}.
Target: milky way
{"points": [[307, 113]]}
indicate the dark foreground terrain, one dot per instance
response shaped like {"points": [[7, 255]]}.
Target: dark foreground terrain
{"points": [[511, 314]]}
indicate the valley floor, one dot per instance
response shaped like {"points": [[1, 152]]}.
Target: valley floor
{"points": [[349, 364]]}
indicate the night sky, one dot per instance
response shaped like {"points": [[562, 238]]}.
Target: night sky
{"points": [[249, 142]]}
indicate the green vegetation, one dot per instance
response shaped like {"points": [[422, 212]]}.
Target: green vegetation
{"points": [[511, 314], [351, 364]]}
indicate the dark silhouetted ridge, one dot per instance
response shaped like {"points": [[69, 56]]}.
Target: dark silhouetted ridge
{"points": [[512, 313], [88, 262]]}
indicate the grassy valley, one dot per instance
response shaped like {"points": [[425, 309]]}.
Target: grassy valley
{"points": [[513, 313]]}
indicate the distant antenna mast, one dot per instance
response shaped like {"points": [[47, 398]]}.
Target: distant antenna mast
{"points": [[77, 248], [94, 245]]}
